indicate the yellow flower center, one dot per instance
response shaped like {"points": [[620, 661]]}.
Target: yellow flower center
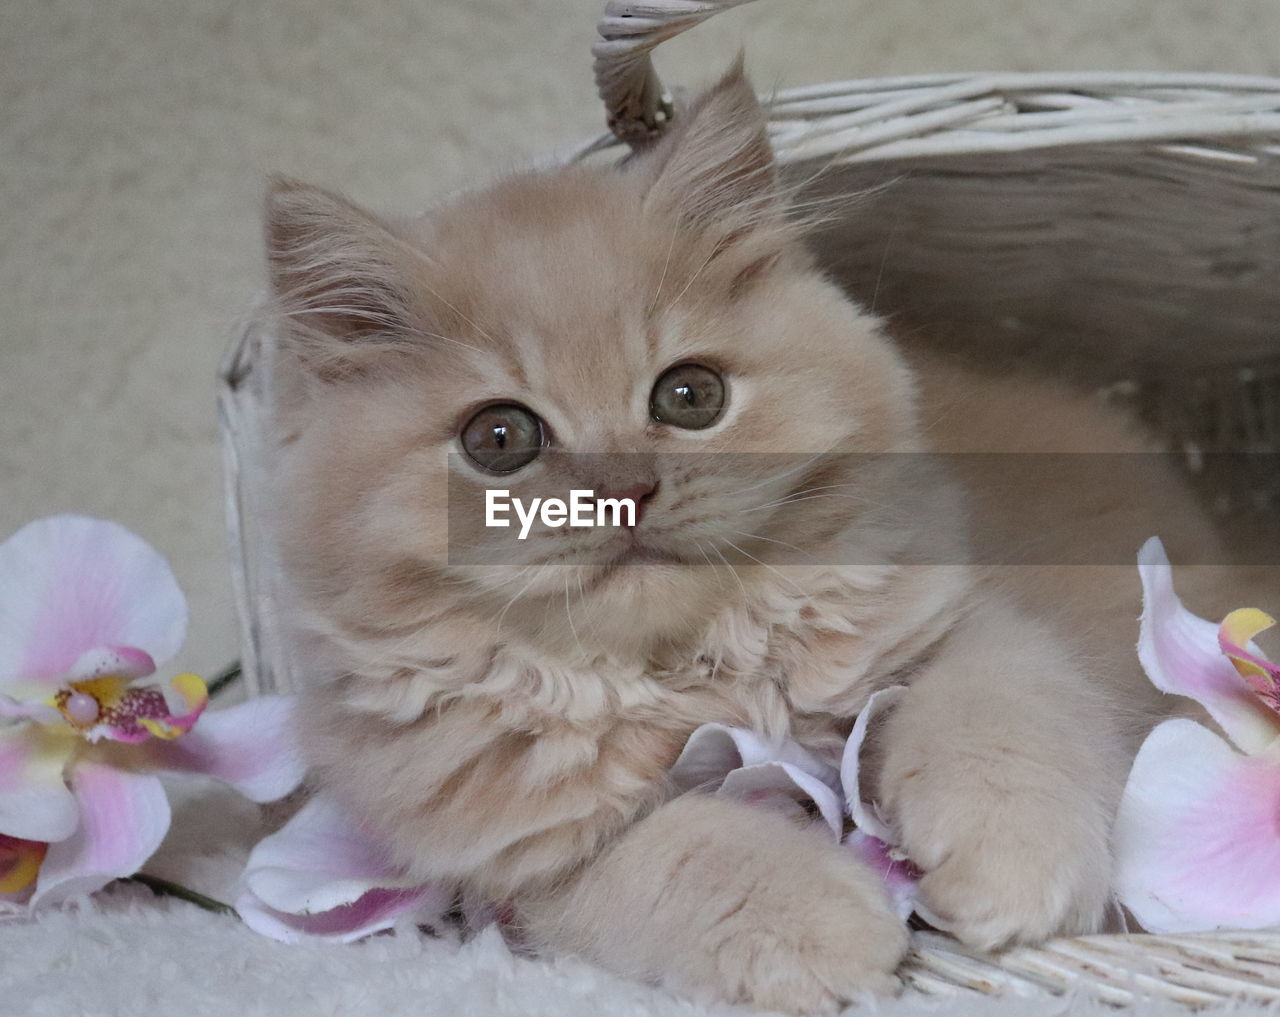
{"points": [[86, 703]]}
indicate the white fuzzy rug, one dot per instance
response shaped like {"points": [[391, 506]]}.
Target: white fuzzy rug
{"points": [[130, 953], [131, 956], [134, 139]]}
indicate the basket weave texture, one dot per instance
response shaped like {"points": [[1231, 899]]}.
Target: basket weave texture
{"points": [[1122, 226]]}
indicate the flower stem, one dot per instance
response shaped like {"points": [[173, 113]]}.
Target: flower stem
{"points": [[165, 888], [228, 676]]}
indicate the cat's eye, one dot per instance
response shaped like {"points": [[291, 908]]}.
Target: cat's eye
{"points": [[503, 438], [688, 395]]}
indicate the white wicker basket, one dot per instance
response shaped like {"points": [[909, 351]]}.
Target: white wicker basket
{"points": [[1124, 225]]}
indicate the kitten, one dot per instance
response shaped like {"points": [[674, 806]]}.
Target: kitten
{"points": [[508, 723]]}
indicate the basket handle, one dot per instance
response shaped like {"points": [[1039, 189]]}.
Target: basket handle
{"points": [[638, 110]]}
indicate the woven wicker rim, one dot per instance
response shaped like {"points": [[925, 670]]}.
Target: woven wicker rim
{"points": [[943, 114]]}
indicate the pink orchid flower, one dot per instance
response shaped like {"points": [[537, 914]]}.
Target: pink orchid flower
{"points": [[86, 609], [323, 876], [1197, 839]]}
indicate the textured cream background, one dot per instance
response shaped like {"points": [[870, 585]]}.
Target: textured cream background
{"points": [[135, 136]]}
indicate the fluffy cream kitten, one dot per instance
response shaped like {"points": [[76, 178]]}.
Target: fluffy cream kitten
{"points": [[508, 723]]}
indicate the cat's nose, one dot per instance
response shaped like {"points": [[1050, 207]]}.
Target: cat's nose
{"points": [[641, 493]]}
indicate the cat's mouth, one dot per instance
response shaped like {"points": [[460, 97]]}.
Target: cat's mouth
{"points": [[643, 554], [637, 550]]}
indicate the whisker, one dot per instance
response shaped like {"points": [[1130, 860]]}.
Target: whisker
{"points": [[797, 499], [692, 279], [568, 613], [787, 473], [770, 540], [884, 258], [785, 579], [806, 493], [729, 566], [497, 625], [666, 263]]}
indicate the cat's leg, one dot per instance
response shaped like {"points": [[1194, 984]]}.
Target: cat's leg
{"points": [[720, 900], [1000, 769]]}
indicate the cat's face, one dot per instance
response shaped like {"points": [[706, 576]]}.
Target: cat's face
{"points": [[655, 332]]}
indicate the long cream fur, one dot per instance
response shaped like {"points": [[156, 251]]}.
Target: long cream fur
{"points": [[509, 724]]}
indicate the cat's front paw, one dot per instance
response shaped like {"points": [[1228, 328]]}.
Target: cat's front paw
{"points": [[1006, 867], [733, 903], [808, 947]]}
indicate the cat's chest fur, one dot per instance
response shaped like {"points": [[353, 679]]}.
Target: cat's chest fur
{"points": [[796, 657]]}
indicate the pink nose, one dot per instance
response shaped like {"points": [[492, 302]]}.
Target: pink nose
{"points": [[641, 493]]}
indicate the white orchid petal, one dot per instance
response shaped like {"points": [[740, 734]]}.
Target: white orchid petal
{"points": [[318, 861], [322, 877], [1180, 654], [1196, 839], [124, 817], [863, 810], [70, 584], [713, 750], [117, 661], [747, 783], [35, 803], [251, 746], [375, 911], [38, 711]]}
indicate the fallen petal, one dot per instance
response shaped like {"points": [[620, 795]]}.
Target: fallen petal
{"points": [[34, 801], [124, 817], [374, 911], [1197, 840], [70, 584], [322, 876], [251, 746], [318, 861], [865, 815], [1180, 654], [713, 750]]}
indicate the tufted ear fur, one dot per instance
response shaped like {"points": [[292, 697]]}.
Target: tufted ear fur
{"points": [[717, 165], [340, 278]]}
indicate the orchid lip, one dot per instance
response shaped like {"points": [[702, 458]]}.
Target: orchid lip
{"points": [[110, 707]]}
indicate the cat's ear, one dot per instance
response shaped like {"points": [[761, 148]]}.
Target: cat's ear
{"points": [[339, 277], [716, 164]]}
